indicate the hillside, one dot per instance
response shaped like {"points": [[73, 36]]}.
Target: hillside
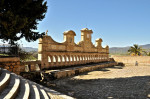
{"points": [[113, 50], [30, 49], [124, 50]]}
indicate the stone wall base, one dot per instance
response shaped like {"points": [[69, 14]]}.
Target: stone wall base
{"points": [[55, 74], [131, 60], [12, 64]]}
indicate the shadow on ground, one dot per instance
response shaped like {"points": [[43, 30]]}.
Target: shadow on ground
{"points": [[118, 88], [103, 69]]}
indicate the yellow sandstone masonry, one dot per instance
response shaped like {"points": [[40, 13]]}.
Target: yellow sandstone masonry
{"points": [[52, 53]]}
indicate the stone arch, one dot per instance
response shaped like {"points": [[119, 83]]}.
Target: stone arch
{"points": [[93, 57], [74, 58], [106, 57], [102, 57], [67, 58], [83, 58], [99, 57], [86, 57], [90, 57], [71, 58], [63, 58], [54, 58], [59, 58], [96, 56], [80, 58], [49, 59], [77, 57]]}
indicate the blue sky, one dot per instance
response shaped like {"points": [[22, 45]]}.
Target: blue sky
{"points": [[118, 22]]}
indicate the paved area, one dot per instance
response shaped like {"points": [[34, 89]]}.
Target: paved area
{"points": [[130, 82]]}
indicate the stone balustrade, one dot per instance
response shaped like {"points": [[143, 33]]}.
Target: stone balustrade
{"points": [[67, 59]]}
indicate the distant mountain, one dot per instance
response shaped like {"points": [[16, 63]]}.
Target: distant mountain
{"points": [[27, 49], [124, 50], [112, 50], [147, 46], [30, 49], [118, 50]]}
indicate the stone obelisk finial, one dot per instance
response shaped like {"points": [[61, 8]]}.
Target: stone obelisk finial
{"points": [[46, 32]]}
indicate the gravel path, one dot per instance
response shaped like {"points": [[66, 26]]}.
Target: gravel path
{"points": [[131, 82]]}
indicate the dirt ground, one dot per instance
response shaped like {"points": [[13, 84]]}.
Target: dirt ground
{"points": [[129, 82]]}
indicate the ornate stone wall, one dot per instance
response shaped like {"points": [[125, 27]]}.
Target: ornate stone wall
{"points": [[52, 53]]}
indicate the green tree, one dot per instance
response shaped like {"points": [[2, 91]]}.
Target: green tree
{"points": [[146, 53], [135, 50], [16, 50], [25, 56], [19, 18]]}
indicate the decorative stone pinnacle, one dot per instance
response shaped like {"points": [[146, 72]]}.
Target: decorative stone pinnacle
{"points": [[46, 32]]}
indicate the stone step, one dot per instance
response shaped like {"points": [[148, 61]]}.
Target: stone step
{"points": [[32, 94], [27, 91], [36, 91], [11, 87], [24, 90], [19, 88], [14, 91], [44, 94], [61, 73], [41, 90], [52, 94], [4, 80]]}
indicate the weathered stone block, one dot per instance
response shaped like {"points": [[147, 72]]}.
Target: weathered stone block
{"points": [[18, 63], [10, 70], [6, 67], [11, 67]]}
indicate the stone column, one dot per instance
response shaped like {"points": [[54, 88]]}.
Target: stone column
{"points": [[73, 61], [79, 61], [82, 59], [99, 60], [69, 62], [61, 62], [102, 58], [90, 58]]}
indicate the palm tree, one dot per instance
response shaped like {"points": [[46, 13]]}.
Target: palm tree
{"points": [[135, 50]]}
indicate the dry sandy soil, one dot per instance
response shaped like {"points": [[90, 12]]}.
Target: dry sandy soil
{"points": [[130, 82]]}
